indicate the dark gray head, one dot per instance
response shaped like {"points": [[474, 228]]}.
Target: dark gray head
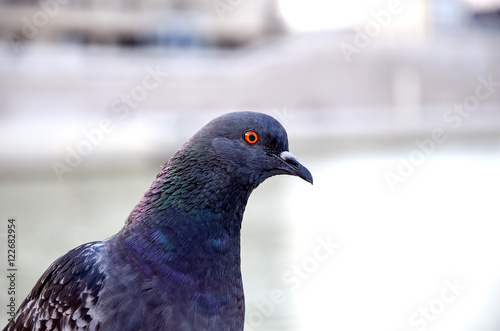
{"points": [[251, 145], [221, 164]]}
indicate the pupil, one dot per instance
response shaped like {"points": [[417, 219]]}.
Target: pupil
{"points": [[252, 137]]}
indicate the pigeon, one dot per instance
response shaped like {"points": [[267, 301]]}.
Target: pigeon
{"points": [[175, 264]]}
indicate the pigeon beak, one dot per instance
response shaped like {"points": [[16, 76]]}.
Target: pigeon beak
{"points": [[293, 167]]}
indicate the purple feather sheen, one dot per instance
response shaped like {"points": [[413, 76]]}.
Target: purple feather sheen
{"points": [[175, 265]]}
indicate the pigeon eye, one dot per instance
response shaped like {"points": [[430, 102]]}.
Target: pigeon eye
{"points": [[251, 137]]}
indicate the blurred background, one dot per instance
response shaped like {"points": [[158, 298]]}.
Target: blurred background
{"points": [[394, 106]]}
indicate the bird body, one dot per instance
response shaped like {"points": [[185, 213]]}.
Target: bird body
{"points": [[175, 265]]}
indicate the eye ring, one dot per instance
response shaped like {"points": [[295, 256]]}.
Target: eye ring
{"points": [[251, 137]]}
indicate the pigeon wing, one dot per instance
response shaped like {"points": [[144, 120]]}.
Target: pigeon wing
{"points": [[65, 296]]}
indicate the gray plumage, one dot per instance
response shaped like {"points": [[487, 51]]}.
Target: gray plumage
{"points": [[175, 265]]}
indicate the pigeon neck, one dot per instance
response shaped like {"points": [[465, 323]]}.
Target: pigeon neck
{"points": [[193, 213], [199, 188]]}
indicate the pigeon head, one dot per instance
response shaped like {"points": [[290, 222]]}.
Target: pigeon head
{"points": [[218, 168], [250, 146]]}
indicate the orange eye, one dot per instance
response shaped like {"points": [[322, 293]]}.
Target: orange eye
{"points": [[251, 137]]}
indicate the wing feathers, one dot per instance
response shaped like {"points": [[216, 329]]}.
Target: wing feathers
{"points": [[65, 296]]}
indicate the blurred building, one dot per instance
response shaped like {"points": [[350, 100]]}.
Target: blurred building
{"points": [[124, 22], [396, 79], [217, 22]]}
